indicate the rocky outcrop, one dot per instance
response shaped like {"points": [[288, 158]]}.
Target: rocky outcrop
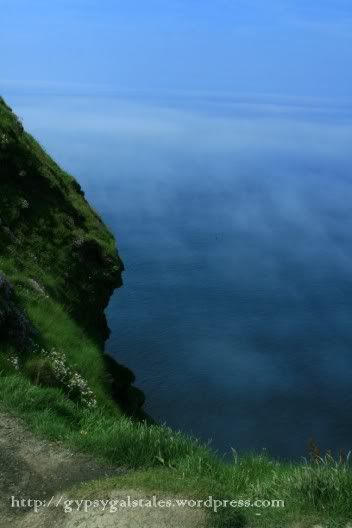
{"points": [[132, 399], [15, 327]]}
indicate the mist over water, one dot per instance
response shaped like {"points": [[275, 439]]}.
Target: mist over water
{"points": [[233, 217]]}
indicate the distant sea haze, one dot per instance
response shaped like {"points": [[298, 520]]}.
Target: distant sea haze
{"points": [[233, 217]]}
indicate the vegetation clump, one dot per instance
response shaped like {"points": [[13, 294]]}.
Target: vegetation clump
{"points": [[50, 368]]}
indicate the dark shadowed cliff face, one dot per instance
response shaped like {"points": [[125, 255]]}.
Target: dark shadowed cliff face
{"points": [[48, 231], [14, 325]]}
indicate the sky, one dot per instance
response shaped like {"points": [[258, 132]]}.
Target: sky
{"points": [[296, 48]]}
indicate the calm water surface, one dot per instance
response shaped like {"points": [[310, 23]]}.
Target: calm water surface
{"points": [[234, 219]]}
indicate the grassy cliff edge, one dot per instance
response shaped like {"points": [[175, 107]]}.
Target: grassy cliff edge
{"points": [[61, 264]]}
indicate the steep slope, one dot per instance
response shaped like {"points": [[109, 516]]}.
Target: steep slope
{"points": [[58, 268], [48, 228]]}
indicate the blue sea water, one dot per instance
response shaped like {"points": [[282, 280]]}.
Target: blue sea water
{"points": [[233, 216]]}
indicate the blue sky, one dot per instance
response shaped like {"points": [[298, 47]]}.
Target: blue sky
{"points": [[285, 47]]}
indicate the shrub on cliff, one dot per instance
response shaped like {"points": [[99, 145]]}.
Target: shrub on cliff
{"points": [[51, 369]]}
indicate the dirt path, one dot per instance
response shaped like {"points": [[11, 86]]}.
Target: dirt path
{"points": [[31, 468]]}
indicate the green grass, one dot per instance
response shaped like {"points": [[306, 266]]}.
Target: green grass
{"points": [[165, 461], [61, 332], [313, 494]]}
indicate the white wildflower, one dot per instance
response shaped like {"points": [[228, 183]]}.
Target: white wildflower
{"points": [[24, 204], [4, 140], [14, 361], [73, 383]]}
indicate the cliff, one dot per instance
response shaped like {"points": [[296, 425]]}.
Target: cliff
{"points": [[58, 265]]}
